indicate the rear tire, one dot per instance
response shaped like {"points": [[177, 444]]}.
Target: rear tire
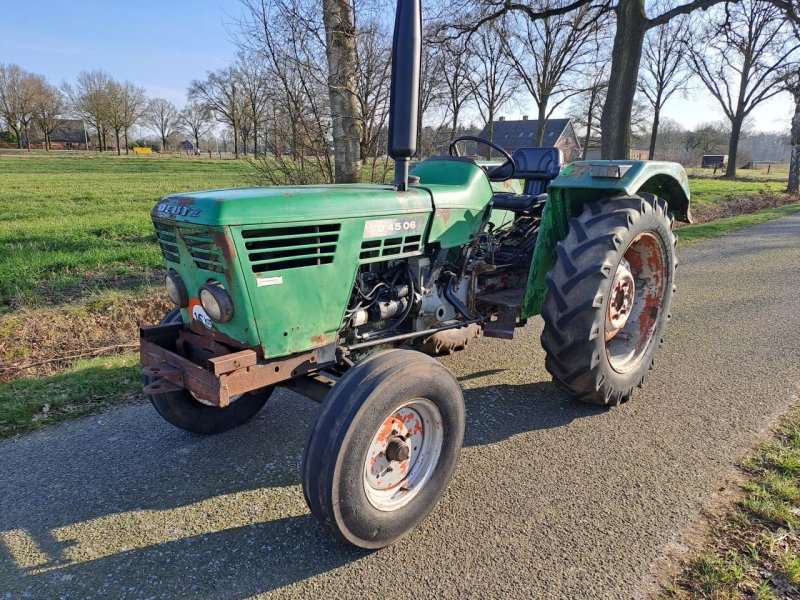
{"points": [[183, 411], [609, 298], [384, 447]]}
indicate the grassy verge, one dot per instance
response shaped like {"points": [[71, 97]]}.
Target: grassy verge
{"points": [[87, 386], [755, 548], [694, 233]]}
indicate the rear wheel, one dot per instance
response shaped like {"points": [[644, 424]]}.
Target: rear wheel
{"points": [[609, 298], [184, 411], [384, 447]]}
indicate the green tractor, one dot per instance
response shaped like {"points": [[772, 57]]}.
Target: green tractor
{"points": [[343, 293]]}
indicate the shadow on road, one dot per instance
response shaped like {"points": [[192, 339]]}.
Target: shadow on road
{"points": [[125, 505]]}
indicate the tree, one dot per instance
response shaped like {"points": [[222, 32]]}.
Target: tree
{"points": [[89, 100], [17, 94], [455, 69], [793, 87], [163, 118], [494, 79], [743, 63], [196, 121], [340, 49], [220, 93], [254, 93], [631, 22], [48, 108], [664, 69], [134, 103], [551, 53], [587, 106]]}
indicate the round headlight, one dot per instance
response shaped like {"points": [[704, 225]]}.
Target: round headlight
{"points": [[176, 289], [216, 302]]}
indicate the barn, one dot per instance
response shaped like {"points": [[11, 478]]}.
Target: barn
{"points": [[522, 134], [69, 135]]}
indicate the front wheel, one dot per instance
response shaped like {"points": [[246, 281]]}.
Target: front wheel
{"points": [[186, 412], [609, 298], [384, 447]]}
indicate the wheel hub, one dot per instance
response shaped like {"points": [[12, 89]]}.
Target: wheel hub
{"points": [[620, 300], [403, 454]]}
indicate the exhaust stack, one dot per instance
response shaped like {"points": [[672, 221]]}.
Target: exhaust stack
{"points": [[404, 94]]}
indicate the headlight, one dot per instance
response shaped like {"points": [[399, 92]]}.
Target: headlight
{"points": [[216, 302], [176, 289]]}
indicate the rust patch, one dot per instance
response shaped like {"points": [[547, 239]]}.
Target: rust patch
{"points": [[445, 214], [320, 340]]}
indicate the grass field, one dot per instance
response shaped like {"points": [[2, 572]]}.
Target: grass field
{"points": [[71, 224]]}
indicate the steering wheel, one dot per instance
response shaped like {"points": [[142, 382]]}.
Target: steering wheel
{"points": [[502, 172]]}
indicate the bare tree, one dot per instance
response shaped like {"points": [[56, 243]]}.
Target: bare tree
{"points": [[163, 118], [220, 93], [17, 95], [340, 49], [196, 120], [134, 103], [88, 100], [456, 56], [48, 109], [664, 69], [631, 22], [587, 106], [743, 63], [254, 94], [551, 53], [793, 87], [494, 78], [373, 60]]}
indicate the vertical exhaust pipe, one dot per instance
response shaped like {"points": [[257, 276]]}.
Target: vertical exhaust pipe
{"points": [[404, 94]]}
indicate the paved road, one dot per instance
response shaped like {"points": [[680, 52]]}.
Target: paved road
{"points": [[551, 498]]}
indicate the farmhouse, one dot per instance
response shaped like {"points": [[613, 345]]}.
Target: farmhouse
{"points": [[70, 135], [522, 133]]}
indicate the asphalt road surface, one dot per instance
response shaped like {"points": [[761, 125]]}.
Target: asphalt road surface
{"points": [[551, 498]]}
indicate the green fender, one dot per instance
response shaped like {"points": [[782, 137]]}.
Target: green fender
{"points": [[585, 181]]}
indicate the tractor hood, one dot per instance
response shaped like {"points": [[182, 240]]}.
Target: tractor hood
{"points": [[245, 206]]}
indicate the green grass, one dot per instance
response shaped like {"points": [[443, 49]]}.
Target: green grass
{"points": [[706, 190], [755, 548], [695, 233], [84, 221], [88, 386]]}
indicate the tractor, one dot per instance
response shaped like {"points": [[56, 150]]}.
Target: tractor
{"points": [[345, 293]]}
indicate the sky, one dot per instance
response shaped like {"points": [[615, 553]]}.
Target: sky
{"points": [[163, 45]]}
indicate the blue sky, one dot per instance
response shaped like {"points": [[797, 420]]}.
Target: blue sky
{"points": [[163, 45], [160, 45]]}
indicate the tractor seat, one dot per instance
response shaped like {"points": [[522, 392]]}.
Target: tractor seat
{"points": [[537, 167]]}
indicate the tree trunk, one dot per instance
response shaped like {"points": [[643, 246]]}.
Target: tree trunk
{"points": [[235, 141], [794, 161], [654, 133], [733, 146], [542, 125], [116, 135], [625, 57], [126, 141], [341, 53]]}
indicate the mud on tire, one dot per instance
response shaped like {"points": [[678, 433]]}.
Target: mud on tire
{"points": [[619, 241]]}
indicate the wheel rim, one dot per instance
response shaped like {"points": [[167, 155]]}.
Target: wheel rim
{"points": [[634, 302], [403, 454]]}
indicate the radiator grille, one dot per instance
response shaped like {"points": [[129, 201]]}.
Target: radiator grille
{"points": [[282, 248], [199, 241], [389, 247], [168, 241]]}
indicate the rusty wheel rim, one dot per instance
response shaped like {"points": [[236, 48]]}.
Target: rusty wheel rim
{"points": [[403, 454], [634, 302]]}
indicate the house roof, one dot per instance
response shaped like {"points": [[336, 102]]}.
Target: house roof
{"points": [[71, 130], [522, 133]]}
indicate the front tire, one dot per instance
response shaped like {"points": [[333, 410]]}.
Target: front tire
{"points": [[609, 298], [184, 411], [384, 447]]}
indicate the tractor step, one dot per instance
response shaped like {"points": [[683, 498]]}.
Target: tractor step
{"points": [[508, 304]]}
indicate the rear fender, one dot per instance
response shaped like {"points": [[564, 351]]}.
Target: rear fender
{"points": [[583, 182]]}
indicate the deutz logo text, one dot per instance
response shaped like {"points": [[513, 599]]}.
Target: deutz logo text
{"points": [[178, 211]]}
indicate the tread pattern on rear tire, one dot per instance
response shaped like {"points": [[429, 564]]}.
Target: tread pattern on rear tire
{"points": [[574, 313]]}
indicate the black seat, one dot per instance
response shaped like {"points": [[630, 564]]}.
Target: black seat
{"points": [[537, 167]]}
